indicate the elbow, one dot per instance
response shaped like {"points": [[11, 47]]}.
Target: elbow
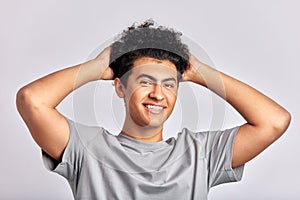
{"points": [[24, 99], [275, 128], [21, 99], [282, 122]]}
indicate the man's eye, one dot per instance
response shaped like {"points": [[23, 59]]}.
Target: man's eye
{"points": [[169, 85], [146, 83]]}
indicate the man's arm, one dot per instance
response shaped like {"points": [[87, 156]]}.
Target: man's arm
{"points": [[266, 120], [37, 101]]}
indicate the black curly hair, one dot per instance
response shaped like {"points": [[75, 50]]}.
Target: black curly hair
{"points": [[145, 40]]}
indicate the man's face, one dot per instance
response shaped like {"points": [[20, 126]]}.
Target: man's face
{"points": [[151, 92]]}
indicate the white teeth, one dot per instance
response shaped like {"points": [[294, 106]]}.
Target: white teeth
{"points": [[154, 107]]}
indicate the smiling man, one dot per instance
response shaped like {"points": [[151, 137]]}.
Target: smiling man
{"points": [[151, 95], [147, 63]]}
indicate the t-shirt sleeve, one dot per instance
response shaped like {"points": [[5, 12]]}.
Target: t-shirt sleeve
{"points": [[218, 148], [71, 158]]}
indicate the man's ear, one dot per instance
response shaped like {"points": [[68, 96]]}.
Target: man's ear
{"points": [[119, 87]]}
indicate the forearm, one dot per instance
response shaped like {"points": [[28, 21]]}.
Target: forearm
{"points": [[266, 120], [36, 103], [257, 109], [52, 89]]}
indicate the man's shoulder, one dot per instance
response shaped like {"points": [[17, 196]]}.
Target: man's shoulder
{"points": [[187, 133], [87, 133], [204, 136]]}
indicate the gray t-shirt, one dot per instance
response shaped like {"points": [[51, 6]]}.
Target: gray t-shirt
{"points": [[100, 165]]}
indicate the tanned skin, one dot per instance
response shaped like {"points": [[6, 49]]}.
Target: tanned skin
{"points": [[266, 120]]}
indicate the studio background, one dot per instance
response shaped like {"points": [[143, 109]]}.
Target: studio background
{"points": [[255, 41]]}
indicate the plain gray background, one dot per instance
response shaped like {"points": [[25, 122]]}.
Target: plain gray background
{"points": [[255, 41]]}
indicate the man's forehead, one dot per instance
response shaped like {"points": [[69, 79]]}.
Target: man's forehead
{"points": [[158, 71], [148, 60], [154, 66]]}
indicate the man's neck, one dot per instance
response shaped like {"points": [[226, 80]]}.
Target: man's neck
{"points": [[144, 134]]}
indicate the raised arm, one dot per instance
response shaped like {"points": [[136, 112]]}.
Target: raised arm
{"points": [[266, 120], [37, 101]]}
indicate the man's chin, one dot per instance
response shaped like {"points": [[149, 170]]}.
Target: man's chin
{"points": [[151, 124], [149, 121], [155, 123]]}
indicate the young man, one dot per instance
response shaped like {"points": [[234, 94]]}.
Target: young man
{"points": [[147, 64]]}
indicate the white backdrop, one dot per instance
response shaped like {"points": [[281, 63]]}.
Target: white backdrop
{"points": [[255, 41]]}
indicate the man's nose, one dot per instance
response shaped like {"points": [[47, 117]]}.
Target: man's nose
{"points": [[157, 92]]}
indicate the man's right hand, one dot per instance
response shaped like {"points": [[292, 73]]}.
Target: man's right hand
{"points": [[103, 57]]}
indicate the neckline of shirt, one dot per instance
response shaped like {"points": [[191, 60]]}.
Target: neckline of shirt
{"points": [[128, 141]]}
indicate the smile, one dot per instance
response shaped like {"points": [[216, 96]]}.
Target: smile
{"points": [[154, 108]]}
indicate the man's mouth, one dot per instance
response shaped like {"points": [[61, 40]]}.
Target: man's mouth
{"points": [[154, 108]]}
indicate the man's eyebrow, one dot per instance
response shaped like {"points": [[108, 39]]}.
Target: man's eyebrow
{"points": [[154, 79], [146, 76]]}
